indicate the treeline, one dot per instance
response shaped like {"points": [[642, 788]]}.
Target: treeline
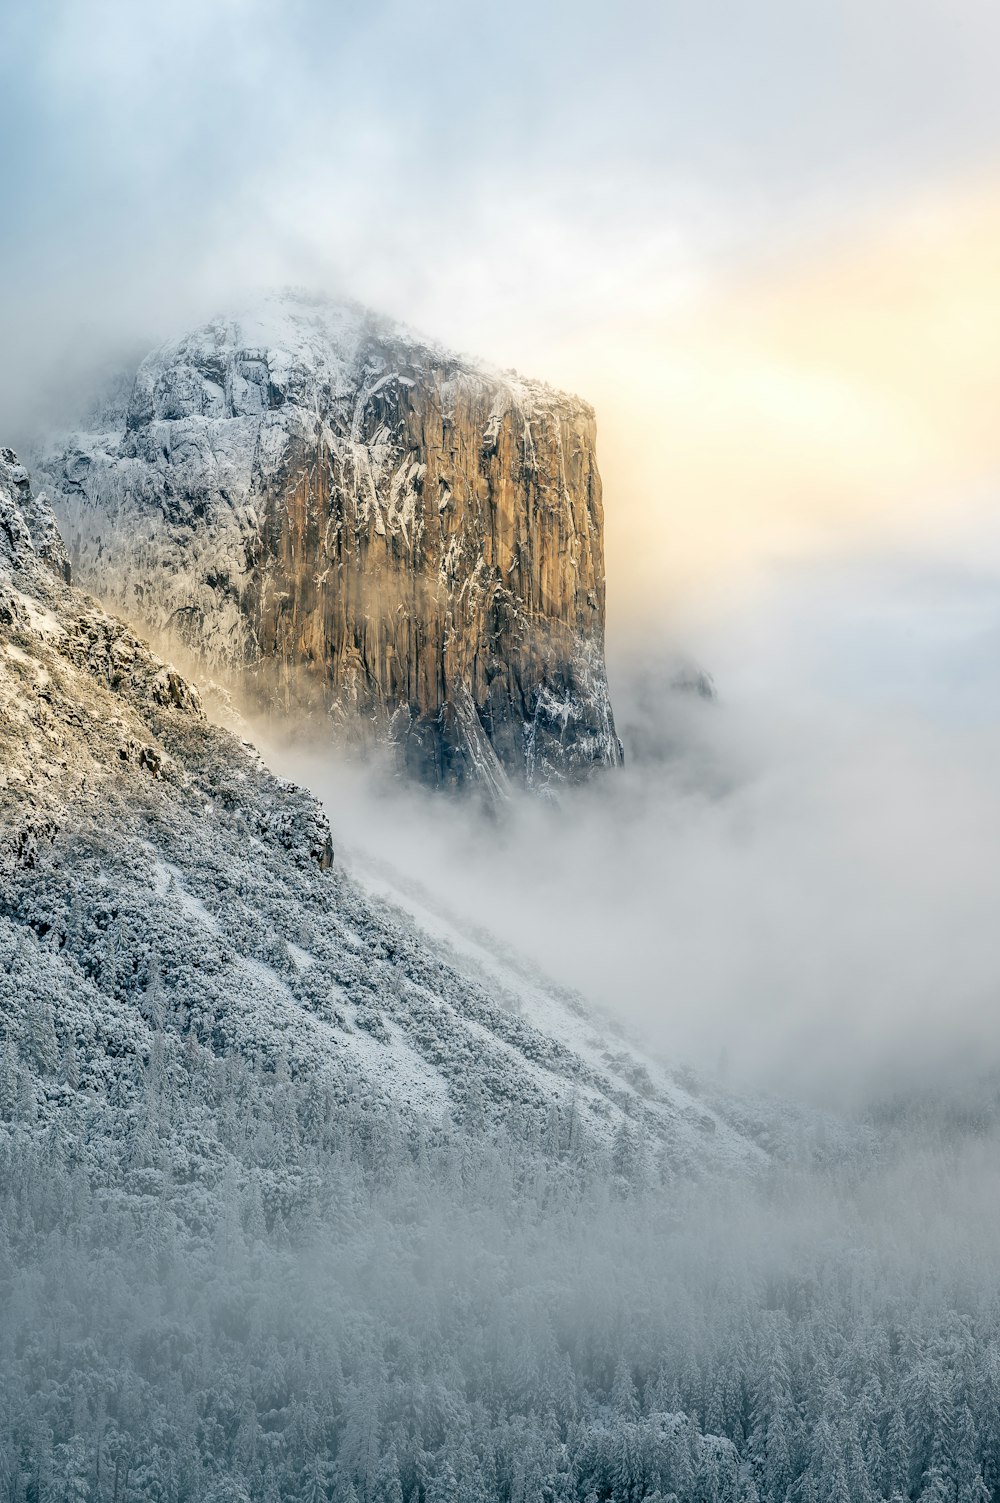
{"points": [[219, 1282]]}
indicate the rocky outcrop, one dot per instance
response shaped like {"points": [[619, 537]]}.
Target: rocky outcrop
{"points": [[359, 526], [29, 534], [87, 711]]}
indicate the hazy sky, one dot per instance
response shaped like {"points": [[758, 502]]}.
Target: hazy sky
{"points": [[761, 237]]}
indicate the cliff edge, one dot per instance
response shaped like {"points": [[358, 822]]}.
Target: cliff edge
{"points": [[358, 525]]}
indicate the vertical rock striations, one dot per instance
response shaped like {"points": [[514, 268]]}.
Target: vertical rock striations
{"points": [[358, 524]]}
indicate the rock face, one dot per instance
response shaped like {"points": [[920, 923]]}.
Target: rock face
{"points": [[29, 534], [359, 525]]}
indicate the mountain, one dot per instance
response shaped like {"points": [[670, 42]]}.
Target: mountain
{"points": [[155, 876], [305, 1201], [234, 1082], [358, 525]]}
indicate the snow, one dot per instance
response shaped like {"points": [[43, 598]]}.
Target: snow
{"points": [[302, 958], [398, 1072], [122, 797], [568, 1019], [162, 500]]}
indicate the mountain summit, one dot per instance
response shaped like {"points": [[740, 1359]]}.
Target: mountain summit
{"points": [[356, 524]]}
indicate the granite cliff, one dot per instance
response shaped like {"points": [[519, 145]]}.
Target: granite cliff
{"points": [[358, 525]]}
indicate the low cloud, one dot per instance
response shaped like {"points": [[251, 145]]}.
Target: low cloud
{"points": [[795, 885]]}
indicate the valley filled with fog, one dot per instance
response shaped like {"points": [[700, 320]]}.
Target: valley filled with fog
{"points": [[791, 884], [404, 1096], [634, 1142]]}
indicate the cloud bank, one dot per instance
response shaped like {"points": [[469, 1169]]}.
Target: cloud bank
{"points": [[794, 886]]}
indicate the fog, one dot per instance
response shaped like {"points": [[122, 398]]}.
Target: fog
{"points": [[793, 885], [763, 244], [762, 240], [329, 1306]]}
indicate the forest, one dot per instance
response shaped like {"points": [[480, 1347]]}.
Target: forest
{"points": [[220, 1281]]}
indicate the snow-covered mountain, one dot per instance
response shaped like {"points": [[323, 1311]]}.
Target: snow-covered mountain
{"points": [[154, 876], [307, 1195], [357, 524]]}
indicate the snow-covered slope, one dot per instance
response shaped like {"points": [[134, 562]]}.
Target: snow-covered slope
{"points": [[360, 526], [154, 876], [306, 1193]]}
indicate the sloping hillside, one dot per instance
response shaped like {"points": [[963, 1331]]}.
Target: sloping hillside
{"points": [[302, 1199], [157, 877]]}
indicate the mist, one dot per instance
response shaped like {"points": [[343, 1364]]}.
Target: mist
{"points": [[605, 205], [281, 1218], [792, 885]]}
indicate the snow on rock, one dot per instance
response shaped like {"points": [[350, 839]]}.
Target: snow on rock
{"points": [[155, 878], [353, 522]]}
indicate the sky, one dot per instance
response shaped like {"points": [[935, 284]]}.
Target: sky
{"points": [[764, 240]]}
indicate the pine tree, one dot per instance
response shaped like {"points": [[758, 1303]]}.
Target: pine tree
{"points": [[624, 1398], [40, 1044], [386, 1487]]}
